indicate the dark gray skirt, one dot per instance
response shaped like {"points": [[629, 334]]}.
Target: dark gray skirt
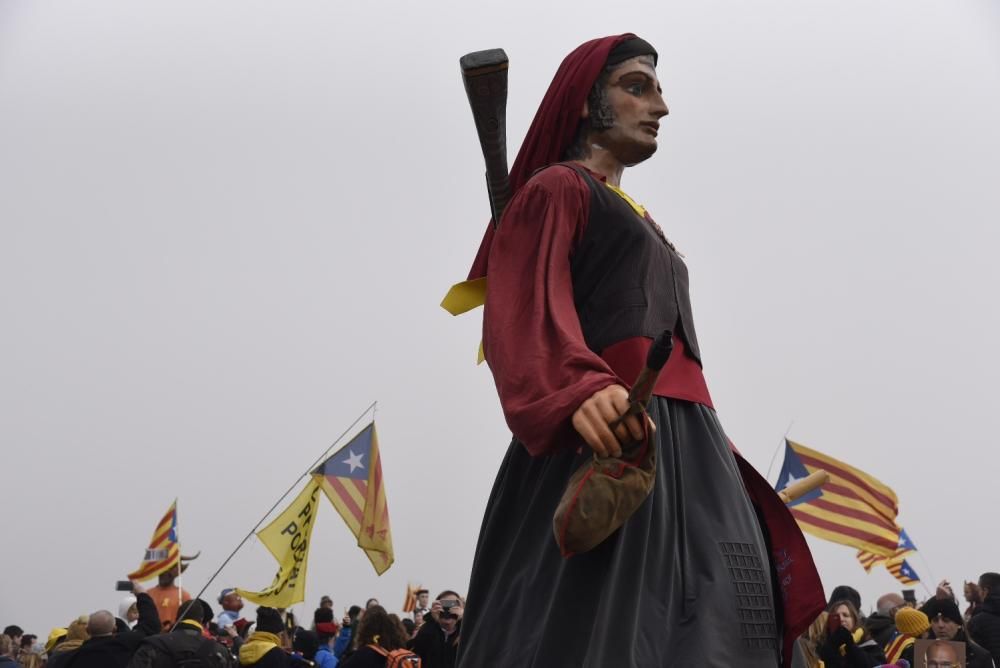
{"points": [[684, 582]]}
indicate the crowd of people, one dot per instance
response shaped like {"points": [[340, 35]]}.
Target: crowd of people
{"points": [[138, 636], [842, 638]]}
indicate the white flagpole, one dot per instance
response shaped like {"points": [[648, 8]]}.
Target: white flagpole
{"points": [[180, 591]]}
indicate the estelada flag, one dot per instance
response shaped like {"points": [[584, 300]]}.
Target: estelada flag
{"points": [[869, 560], [853, 508], [897, 564], [287, 538], [901, 570], [352, 479], [163, 552]]}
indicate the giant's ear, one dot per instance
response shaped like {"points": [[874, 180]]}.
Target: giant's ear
{"points": [[585, 112]]}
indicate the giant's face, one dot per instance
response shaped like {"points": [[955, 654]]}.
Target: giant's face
{"points": [[636, 101]]}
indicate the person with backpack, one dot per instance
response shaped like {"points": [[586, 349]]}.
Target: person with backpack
{"points": [[381, 643], [183, 647]]}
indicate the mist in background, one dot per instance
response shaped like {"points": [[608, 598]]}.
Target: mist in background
{"points": [[225, 229]]}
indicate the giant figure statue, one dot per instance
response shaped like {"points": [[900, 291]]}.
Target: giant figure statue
{"points": [[711, 570]]}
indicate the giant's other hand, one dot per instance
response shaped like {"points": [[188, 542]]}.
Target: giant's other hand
{"points": [[593, 419]]}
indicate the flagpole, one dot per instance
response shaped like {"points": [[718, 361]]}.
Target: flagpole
{"points": [[928, 571], [180, 590], [775, 455], [370, 409]]}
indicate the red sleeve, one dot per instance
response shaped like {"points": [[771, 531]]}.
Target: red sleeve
{"points": [[531, 332]]}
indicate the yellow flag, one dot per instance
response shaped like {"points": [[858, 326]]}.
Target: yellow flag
{"points": [[287, 537]]}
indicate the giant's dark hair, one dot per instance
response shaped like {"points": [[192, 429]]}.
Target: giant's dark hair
{"points": [[601, 116]]}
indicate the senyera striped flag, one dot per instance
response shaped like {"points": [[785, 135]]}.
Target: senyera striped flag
{"points": [[163, 552]]}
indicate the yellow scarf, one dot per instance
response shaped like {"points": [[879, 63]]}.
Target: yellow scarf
{"points": [[259, 644], [857, 635], [894, 650]]}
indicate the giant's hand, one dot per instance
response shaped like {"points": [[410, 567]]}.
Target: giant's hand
{"points": [[594, 416]]}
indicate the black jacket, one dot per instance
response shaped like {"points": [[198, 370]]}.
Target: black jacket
{"points": [[976, 656], [434, 650], [184, 642], [115, 651], [865, 654], [984, 627], [364, 657], [881, 628], [276, 658]]}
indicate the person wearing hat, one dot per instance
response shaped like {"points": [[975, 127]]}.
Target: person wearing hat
{"points": [[946, 624], [845, 593], [231, 603], [579, 280], [423, 603], [56, 636], [63, 648], [912, 625], [326, 632], [128, 613], [263, 649]]}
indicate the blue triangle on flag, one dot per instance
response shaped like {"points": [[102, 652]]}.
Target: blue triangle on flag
{"points": [[793, 469], [907, 572], [905, 544]]}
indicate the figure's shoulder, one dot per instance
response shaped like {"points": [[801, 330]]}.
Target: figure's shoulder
{"points": [[557, 177]]}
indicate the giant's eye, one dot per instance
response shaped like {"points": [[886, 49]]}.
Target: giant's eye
{"points": [[636, 89]]}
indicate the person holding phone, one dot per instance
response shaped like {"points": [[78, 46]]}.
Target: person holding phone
{"points": [[436, 643], [848, 644]]}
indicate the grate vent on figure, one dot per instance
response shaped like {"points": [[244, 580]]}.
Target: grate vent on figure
{"points": [[753, 596]]}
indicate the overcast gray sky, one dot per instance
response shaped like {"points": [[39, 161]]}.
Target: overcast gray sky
{"points": [[225, 229]]}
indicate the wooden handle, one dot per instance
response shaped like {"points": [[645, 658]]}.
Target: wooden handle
{"points": [[485, 76], [800, 488]]}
